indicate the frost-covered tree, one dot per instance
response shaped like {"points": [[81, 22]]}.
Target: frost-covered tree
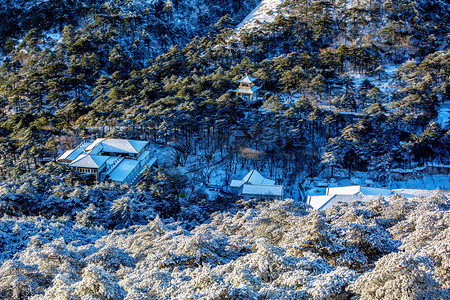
{"points": [[96, 283], [399, 276], [20, 281], [124, 211]]}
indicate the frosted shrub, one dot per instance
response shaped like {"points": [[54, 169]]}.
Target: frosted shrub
{"points": [[332, 285], [111, 259], [88, 217], [399, 276], [19, 281], [399, 207], [98, 284], [312, 233], [438, 250], [146, 235], [60, 289], [51, 258], [123, 211], [203, 247]]}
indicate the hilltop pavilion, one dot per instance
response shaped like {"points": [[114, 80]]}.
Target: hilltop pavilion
{"points": [[247, 89]]}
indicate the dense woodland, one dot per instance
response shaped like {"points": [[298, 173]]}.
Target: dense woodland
{"points": [[102, 72], [368, 78]]}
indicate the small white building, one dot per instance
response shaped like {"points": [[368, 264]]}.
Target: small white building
{"points": [[116, 160], [347, 194], [255, 186]]}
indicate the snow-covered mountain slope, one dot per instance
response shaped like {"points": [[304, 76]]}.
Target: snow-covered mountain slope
{"points": [[265, 12]]}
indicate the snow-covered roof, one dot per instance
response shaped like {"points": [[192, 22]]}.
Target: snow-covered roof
{"points": [[262, 190], [111, 160], [65, 154], [413, 193], [116, 146], [97, 150], [318, 201], [122, 170], [123, 146], [151, 162], [254, 177], [375, 191], [324, 202], [236, 183], [89, 161], [363, 194], [247, 79], [247, 91], [346, 194], [357, 189], [70, 154], [93, 145], [83, 145]]}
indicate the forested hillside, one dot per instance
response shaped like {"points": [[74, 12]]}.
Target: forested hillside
{"points": [[348, 87], [369, 79]]}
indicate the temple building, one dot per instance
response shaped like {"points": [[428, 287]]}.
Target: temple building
{"points": [[255, 186], [247, 89], [115, 160]]}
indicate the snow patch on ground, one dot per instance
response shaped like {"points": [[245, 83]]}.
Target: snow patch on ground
{"points": [[265, 12], [427, 182], [55, 36], [385, 82], [387, 85], [356, 3], [444, 115]]}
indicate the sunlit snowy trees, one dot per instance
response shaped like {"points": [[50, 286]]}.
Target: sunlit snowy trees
{"points": [[387, 248], [399, 276]]}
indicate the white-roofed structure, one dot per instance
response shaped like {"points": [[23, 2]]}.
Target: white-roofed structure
{"points": [[89, 161], [236, 183], [116, 160], [347, 194], [117, 147], [69, 156], [249, 92], [255, 186], [413, 193], [358, 190], [247, 89], [254, 177], [119, 173], [261, 192], [324, 202], [319, 202], [89, 164], [94, 144]]}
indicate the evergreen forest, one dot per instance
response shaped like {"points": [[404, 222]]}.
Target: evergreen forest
{"points": [[348, 88]]}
